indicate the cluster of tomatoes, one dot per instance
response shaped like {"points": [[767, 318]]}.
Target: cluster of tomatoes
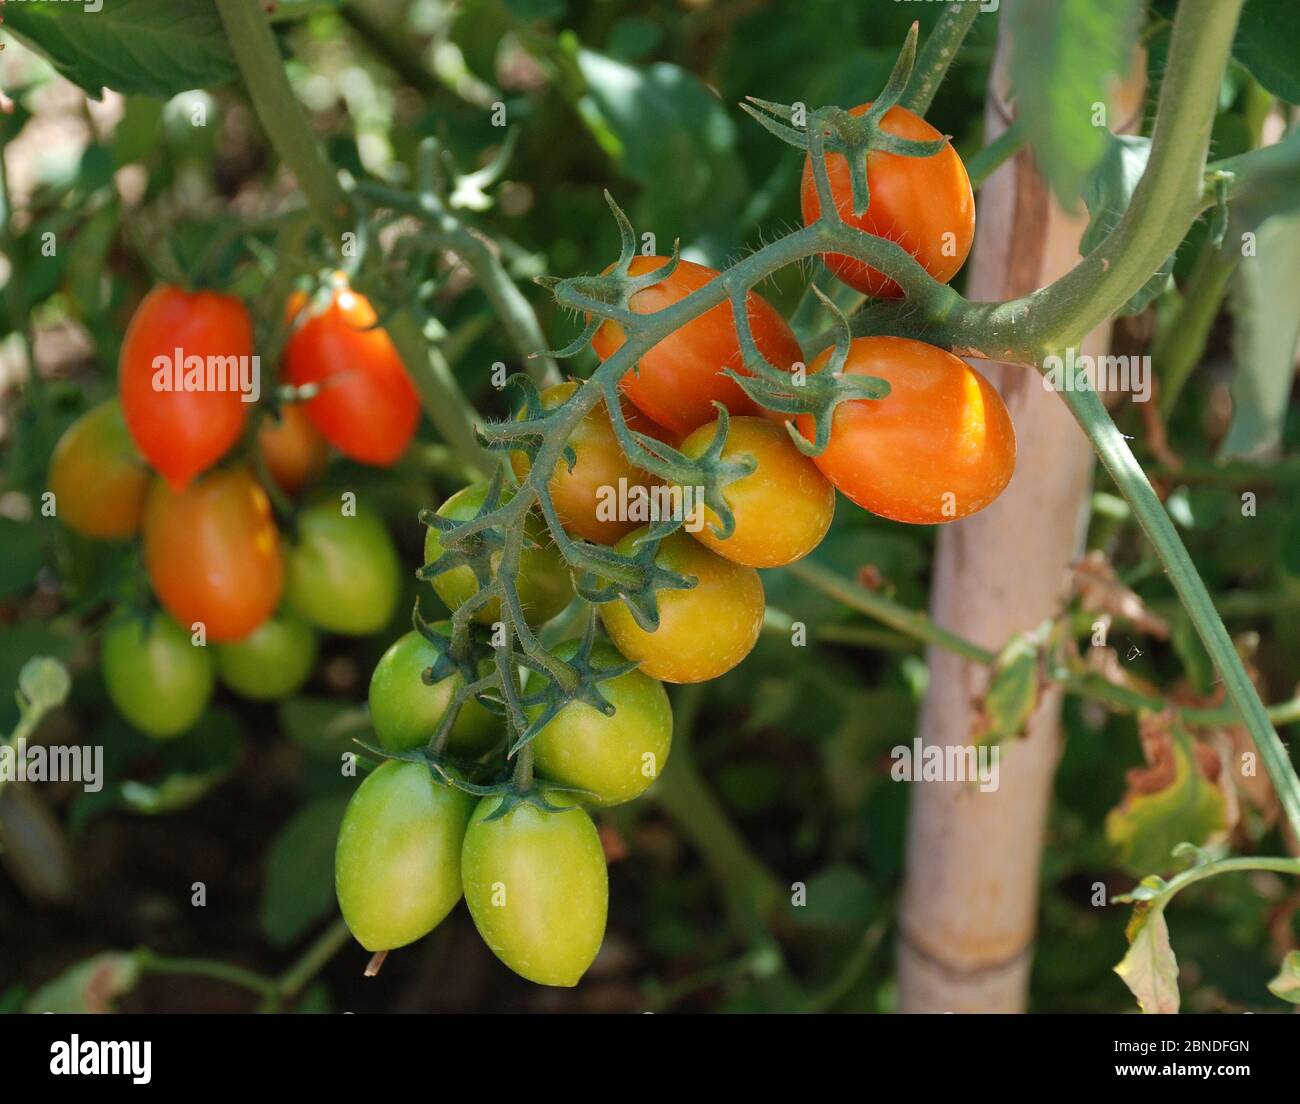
{"points": [[940, 446], [175, 459]]}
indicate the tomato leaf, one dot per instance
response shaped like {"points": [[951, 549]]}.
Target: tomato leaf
{"points": [[1150, 969], [154, 47], [1063, 55], [1013, 690], [89, 986], [1286, 986], [299, 886], [1268, 38], [1267, 328]]}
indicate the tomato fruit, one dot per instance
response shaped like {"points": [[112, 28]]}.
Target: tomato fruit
{"points": [[680, 378], [584, 495], [703, 632], [213, 553], [612, 758], [183, 432], [544, 584], [923, 203], [342, 573], [157, 679], [271, 662], [294, 451], [537, 888], [405, 712], [397, 862], [940, 446], [97, 477], [782, 509], [367, 407]]}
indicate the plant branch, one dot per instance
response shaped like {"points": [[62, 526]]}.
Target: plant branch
{"points": [[938, 53]]}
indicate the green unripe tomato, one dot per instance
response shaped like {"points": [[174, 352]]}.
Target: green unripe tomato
{"points": [[272, 662], [158, 680], [537, 888], [544, 584], [405, 712], [342, 573], [397, 864], [614, 758]]}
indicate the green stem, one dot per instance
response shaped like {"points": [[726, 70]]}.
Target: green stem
{"points": [[1222, 866], [151, 963], [314, 959], [1179, 345], [1115, 454], [289, 129], [941, 46], [980, 167], [392, 48]]}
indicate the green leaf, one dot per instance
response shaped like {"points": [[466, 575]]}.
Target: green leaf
{"points": [[23, 556], [323, 726], [1286, 986], [89, 986], [1107, 194], [1267, 328], [299, 887], [1150, 969], [1063, 54], [1147, 826], [837, 898], [153, 47], [1268, 42], [1013, 690]]}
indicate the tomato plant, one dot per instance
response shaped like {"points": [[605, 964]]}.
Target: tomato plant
{"points": [[938, 448], [213, 553], [397, 866], [159, 680], [97, 477], [365, 405], [341, 570], [782, 510], [612, 757], [678, 381], [271, 662], [544, 585], [405, 710], [183, 360], [923, 203], [536, 885], [704, 631]]}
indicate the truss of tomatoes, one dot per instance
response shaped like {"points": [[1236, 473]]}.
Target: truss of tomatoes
{"points": [[174, 467], [939, 447]]}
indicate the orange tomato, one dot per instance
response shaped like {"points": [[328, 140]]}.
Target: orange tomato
{"points": [[177, 337], [677, 382], [923, 203], [97, 477], [294, 450], [213, 553], [939, 447]]}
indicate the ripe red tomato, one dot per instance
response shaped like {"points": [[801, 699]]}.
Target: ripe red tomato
{"points": [[97, 477], [782, 509], [939, 447], [613, 758], [397, 863], [157, 679], [915, 201], [537, 888], [183, 432], [544, 584], [213, 553], [367, 407], [584, 495], [294, 450], [680, 378], [703, 632]]}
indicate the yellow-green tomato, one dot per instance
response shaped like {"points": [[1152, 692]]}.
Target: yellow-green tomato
{"points": [[703, 632], [613, 758], [157, 678], [544, 584], [405, 712], [397, 864], [272, 661], [537, 887], [342, 574]]}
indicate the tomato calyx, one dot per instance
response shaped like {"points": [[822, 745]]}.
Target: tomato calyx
{"points": [[640, 595], [834, 130], [472, 543]]}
